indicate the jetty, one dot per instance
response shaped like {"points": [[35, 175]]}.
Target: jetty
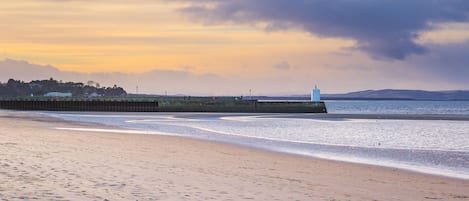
{"points": [[161, 104]]}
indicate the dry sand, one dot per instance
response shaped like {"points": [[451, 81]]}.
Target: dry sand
{"points": [[38, 162]]}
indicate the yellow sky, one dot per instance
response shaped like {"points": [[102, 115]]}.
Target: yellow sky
{"points": [[144, 35], [95, 36]]}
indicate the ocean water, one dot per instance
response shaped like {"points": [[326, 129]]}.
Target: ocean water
{"points": [[430, 146], [398, 107]]}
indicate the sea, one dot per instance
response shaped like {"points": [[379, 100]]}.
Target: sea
{"points": [[439, 147]]}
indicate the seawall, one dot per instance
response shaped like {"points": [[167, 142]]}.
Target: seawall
{"points": [[163, 105]]}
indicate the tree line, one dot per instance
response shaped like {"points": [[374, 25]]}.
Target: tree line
{"points": [[18, 88]]}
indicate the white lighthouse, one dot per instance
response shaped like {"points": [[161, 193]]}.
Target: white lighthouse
{"points": [[316, 94]]}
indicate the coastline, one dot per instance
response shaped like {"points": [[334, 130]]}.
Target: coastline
{"points": [[429, 160], [45, 163]]}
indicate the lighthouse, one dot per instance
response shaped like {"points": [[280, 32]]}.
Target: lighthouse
{"points": [[316, 94]]}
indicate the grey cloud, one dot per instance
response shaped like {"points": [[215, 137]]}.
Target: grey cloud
{"points": [[445, 62], [153, 82], [384, 29], [282, 66], [174, 82], [10, 67], [156, 81], [184, 82]]}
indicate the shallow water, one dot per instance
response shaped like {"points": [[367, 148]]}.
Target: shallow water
{"points": [[431, 146]]}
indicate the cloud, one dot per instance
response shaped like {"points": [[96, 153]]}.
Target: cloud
{"points": [[282, 66], [448, 62], [433, 75], [385, 29], [155, 81], [9, 68], [186, 82]]}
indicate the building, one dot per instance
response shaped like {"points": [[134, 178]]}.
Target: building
{"points": [[316, 94], [58, 94]]}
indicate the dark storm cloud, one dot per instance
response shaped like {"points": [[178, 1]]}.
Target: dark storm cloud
{"points": [[382, 28]]}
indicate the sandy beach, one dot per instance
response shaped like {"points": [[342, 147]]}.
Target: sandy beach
{"points": [[38, 162]]}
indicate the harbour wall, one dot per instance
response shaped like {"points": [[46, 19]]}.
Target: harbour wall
{"points": [[164, 105]]}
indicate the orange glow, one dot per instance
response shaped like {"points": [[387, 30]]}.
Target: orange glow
{"points": [[131, 37]]}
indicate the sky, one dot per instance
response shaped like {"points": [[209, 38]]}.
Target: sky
{"points": [[227, 47]]}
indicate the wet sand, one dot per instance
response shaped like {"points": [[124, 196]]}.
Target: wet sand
{"points": [[38, 162]]}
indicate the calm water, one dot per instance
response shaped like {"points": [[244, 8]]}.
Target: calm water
{"points": [[437, 147], [398, 107]]}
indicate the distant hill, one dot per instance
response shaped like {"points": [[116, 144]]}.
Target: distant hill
{"points": [[393, 94]]}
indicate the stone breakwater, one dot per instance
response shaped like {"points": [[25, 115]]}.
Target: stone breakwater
{"points": [[163, 105]]}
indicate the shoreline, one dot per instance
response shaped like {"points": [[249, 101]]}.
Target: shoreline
{"points": [[379, 162], [335, 173], [364, 162], [105, 128]]}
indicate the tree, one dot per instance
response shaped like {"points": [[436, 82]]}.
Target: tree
{"points": [[14, 88]]}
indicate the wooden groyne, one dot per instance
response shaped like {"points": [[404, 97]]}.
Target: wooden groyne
{"points": [[163, 105]]}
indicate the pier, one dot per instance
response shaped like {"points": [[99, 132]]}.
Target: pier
{"points": [[161, 104]]}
